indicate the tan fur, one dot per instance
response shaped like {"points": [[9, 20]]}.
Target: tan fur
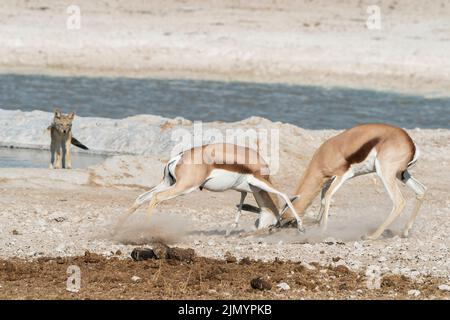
{"points": [[330, 163], [61, 136], [194, 167]]}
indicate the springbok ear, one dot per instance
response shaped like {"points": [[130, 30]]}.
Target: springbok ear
{"points": [[71, 115], [57, 113]]}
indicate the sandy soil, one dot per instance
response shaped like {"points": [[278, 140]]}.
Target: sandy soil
{"points": [[62, 213], [306, 42]]}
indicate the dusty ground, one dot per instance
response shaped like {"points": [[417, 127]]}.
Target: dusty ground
{"points": [[307, 42], [202, 278], [63, 213]]}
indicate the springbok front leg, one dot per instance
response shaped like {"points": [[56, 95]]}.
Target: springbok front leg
{"points": [[325, 188], [420, 191], [266, 186], [332, 189], [238, 214]]}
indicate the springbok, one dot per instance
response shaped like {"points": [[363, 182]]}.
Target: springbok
{"points": [[387, 150], [219, 167]]}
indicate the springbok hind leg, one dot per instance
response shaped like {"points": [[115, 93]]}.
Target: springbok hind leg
{"points": [[238, 214], [420, 191], [140, 200], [173, 191], [390, 183]]}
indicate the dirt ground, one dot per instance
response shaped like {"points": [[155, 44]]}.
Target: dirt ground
{"points": [[202, 278]]}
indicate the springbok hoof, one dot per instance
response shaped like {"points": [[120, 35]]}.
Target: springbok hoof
{"points": [[405, 234], [301, 229], [368, 237]]}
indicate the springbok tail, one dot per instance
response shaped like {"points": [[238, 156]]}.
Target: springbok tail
{"points": [[415, 157]]}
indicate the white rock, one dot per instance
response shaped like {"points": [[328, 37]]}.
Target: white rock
{"points": [[357, 245], [283, 286], [135, 278], [413, 292], [60, 248], [329, 240], [307, 266], [444, 287]]}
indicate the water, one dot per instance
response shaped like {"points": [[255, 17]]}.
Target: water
{"points": [[27, 158], [305, 106]]}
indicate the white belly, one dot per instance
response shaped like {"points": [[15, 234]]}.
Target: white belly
{"points": [[366, 166], [220, 180]]}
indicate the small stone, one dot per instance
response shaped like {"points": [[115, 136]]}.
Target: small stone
{"points": [[135, 278], [357, 245], [179, 254], [382, 259], [444, 287], [59, 219], [161, 250], [307, 266], [15, 232], [90, 257], [229, 258], [139, 254], [413, 292], [336, 259], [330, 240], [283, 286], [118, 253], [260, 284]]}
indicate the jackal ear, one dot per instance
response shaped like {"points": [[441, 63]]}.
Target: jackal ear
{"points": [[71, 115], [57, 113]]}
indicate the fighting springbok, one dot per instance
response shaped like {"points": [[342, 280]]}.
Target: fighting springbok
{"points": [[387, 150], [219, 167]]}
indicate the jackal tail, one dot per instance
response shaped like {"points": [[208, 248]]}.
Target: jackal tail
{"points": [[77, 143]]}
